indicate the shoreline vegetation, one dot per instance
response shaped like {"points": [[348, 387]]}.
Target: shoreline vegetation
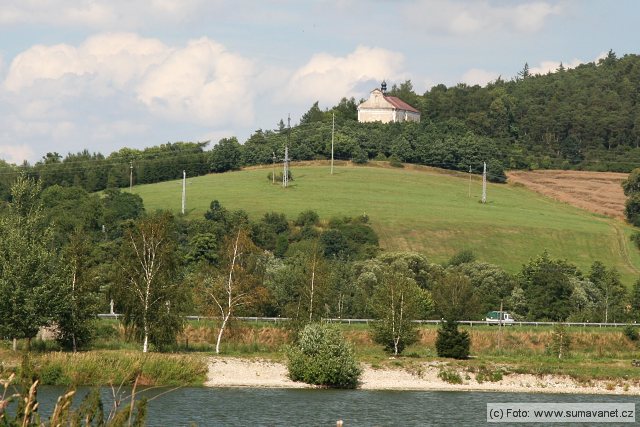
{"points": [[514, 359], [421, 376]]}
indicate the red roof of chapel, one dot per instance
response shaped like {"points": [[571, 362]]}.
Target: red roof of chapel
{"points": [[400, 104]]}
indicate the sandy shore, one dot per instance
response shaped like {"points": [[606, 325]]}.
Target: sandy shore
{"points": [[236, 372]]}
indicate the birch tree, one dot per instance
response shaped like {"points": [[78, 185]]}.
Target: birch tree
{"points": [[149, 287], [235, 288], [397, 302]]}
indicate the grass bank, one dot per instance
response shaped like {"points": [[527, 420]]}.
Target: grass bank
{"points": [[101, 367], [420, 209], [595, 353]]}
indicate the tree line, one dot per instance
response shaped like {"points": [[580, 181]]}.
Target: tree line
{"points": [[66, 254]]}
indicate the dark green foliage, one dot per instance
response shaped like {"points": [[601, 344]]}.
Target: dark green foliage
{"points": [[492, 286], [546, 284], [75, 319], [323, 357], [631, 185], [282, 245], [611, 306], [276, 222], [631, 333], [31, 282], [635, 301], [464, 256], [313, 115], [335, 243], [454, 297], [309, 217], [632, 209], [395, 162], [202, 247], [359, 156], [216, 212], [226, 155], [452, 342], [635, 238], [349, 238], [118, 207], [495, 171]]}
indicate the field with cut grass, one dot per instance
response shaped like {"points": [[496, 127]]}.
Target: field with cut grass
{"points": [[421, 209]]}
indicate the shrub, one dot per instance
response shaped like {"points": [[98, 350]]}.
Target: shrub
{"points": [[359, 156], [308, 217], [485, 374], [495, 171], [395, 162], [560, 341], [452, 342], [464, 256], [450, 376], [323, 357], [635, 238], [278, 177], [632, 209], [631, 333]]}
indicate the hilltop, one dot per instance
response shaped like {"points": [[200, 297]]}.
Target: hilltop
{"points": [[421, 209]]}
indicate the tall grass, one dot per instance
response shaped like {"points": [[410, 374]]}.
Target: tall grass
{"points": [[116, 367]]}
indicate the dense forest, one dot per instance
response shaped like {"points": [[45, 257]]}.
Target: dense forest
{"points": [[587, 117]]}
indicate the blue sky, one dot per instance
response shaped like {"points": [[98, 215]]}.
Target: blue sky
{"points": [[104, 74]]}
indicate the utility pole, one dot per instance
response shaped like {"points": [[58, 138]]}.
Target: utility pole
{"points": [[285, 174], [333, 130], [184, 190], [484, 183], [469, 181], [131, 176], [273, 174]]}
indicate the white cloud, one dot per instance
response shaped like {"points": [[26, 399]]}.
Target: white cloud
{"points": [[477, 76], [454, 17], [327, 78], [121, 89], [15, 153], [197, 83], [202, 82]]}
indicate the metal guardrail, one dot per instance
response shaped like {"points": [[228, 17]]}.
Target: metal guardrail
{"points": [[432, 322]]}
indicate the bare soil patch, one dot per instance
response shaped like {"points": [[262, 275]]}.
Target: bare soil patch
{"points": [[598, 192]]}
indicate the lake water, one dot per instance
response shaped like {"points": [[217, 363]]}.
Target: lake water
{"points": [[277, 407]]}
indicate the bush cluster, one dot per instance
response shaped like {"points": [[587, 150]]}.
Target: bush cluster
{"points": [[323, 357], [452, 342], [631, 333]]}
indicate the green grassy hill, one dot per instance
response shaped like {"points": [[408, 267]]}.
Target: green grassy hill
{"points": [[420, 209]]}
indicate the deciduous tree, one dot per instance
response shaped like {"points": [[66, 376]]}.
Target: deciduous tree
{"points": [[30, 275], [151, 293]]}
